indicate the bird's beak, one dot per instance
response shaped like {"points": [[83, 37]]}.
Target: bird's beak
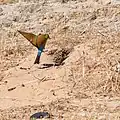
{"points": [[49, 37]]}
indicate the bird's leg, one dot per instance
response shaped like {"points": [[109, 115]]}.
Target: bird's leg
{"points": [[37, 60]]}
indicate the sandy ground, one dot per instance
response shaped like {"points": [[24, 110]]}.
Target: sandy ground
{"points": [[85, 38]]}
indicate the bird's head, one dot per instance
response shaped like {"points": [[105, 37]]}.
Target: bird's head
{"points": [[46, 36]]}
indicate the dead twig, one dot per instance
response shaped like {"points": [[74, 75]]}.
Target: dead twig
{"points": [[10, 89], [102, 34], [33, 81]]}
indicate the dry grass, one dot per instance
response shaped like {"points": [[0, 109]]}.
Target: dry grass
{"points": [[12, 50]]}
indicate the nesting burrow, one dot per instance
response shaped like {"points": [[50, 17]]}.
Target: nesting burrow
{"points": [[59, 55]]}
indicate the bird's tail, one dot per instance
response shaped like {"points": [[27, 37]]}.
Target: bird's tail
{"points": [[37, 60]]}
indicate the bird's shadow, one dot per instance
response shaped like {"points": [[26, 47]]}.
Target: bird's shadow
{"points": [[48, 65]]}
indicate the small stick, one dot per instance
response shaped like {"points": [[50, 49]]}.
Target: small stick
{"points": [[102, 34], [10, 89]]}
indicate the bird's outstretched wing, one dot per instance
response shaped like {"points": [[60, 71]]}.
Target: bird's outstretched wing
{"points": [[29, 36]]}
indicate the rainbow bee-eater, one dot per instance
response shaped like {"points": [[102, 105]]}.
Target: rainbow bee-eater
{"points": [[38, 41]]}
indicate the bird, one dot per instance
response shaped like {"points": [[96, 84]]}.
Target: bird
{"points": [[39, 41]]}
